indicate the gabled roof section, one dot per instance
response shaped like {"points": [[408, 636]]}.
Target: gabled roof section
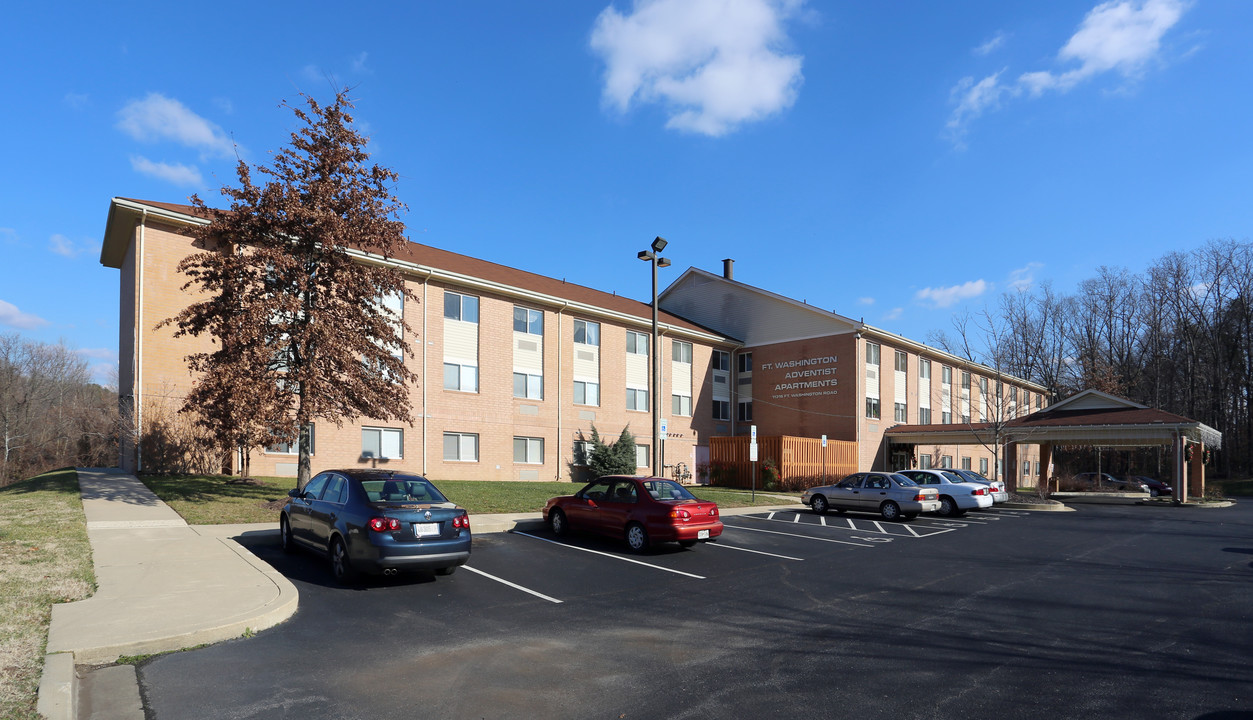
{"points": [[441, 265], [1094, 400], [756, 316]]}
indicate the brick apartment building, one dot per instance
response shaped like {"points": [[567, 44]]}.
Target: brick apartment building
{"points": [[514, 368]]}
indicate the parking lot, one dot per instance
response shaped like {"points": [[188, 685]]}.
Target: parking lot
{"points": [[1108, 611]]}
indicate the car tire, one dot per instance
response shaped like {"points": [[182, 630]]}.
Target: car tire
{"points": [[557, 523], [446, 570], [284, 535], [1153, 492], [948, 508], [341, 564], [687, 543], [637, 537], [819, 504], [890, 511]]}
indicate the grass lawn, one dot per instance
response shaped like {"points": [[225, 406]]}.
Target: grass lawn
{"points": [[44, 559], [1233, 487], [216, 500]]}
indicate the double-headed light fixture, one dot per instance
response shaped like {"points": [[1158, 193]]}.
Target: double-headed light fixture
{"points": [[658, 245]]}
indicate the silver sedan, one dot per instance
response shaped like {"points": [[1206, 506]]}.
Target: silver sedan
{"points": [[891, 495]]}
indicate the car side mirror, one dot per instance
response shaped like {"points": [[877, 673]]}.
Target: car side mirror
{"points": [[295, 493]]}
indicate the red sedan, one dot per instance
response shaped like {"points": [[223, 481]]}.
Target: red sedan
{"points": [[642, 510]]}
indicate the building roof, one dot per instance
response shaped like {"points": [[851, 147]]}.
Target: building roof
{"points": [[442, 265]]}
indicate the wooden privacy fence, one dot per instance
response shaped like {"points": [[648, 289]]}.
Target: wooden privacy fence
{"points": [[800, 461]]}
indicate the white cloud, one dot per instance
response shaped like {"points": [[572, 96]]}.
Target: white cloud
{"points": [[175, 173], [98, 353], [992, 45], [358, 64], [865, 301], [894, 313], [1024, 277], [11, 316], [76, 101], [65, 247], [712, 64], [948, 296], [157, 117], [973, 98], [1115, 36]]}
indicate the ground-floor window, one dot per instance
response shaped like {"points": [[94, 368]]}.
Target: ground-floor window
{"points": [[382, 443], [924, 461], [528, 450], [293, 447], [641, 456], [983, 467], [965, 463], [461, 447], [946, 461]]}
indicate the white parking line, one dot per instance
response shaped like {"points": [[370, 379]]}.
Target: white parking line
{"points": [[806, 537], [759, 552], [609, 555], [911, 530], [512, 585]]}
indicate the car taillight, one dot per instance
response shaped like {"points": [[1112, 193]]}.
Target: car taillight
{"points": [[384, 524], [681, 514], [714, 512], [461, 522], [979, 491], [919, 497]]}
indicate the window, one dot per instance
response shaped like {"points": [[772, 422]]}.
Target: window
{"points": [[681, 405], [528, 450], [586, 393], [464, 378], [336, 490], [461, 307], [721, 361], [641, 456], [382, 443], [637, 399], [924, 368], [528, 386], [317, 485], [526, 320], [681, 352], [872, 353], [965, 463], [587, 333], [946, 417], [637, 343], [744, 362], [722, 409], [744, 411], [924, 461], [293, 447], [983, 467], [946, 375], [902, 414], [946, 461], [902, 361], [1026, 399], [924, 416], [461, 447], [1039, 401], [872, 408], [582, 451]]}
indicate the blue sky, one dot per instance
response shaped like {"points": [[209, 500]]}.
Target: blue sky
{"points": [[897, 162]]}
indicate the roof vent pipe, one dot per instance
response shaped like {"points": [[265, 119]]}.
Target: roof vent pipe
{"points": [[728, 268]]}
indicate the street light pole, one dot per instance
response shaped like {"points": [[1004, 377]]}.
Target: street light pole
{"points": [[658, 245]]}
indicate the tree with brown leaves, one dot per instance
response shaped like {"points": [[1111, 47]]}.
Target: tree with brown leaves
{"points": [[299, 293]]}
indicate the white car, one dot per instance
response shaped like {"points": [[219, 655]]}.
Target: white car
{"points": [[957, 495], [997, 487]]}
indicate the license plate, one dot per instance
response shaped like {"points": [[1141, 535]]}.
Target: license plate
{"points": [[702, 534], [425, 529]]}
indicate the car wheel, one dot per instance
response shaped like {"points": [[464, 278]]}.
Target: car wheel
{"points": [[341, 566], [890, 511], [1153, 492], [284, 534], [557, 523], [637, 537], [819, 504], [446, 571], [687, 543], [948, 508]]}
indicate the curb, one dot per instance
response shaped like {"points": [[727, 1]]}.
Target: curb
{"points": [[1033, 507]]}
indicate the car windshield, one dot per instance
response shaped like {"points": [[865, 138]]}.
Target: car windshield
{"points": [[408, 489], [667, 490], [903, 481]]}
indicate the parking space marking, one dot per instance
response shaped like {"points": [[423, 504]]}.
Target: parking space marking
{"points": [[905, 531], [758, 552], [609, 555], [912, 531], [806, 537], [512, 585]]}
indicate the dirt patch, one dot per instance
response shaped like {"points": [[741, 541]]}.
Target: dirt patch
{"points": [[245, 481], [274, 505]]}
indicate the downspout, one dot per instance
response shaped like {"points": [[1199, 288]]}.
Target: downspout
{"points": [[560, 405], [425, 284], [139, 348]]}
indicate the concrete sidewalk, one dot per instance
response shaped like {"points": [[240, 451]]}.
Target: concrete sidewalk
{"points": [[163, 586]]}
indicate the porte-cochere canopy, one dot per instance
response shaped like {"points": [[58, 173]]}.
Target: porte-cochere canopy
{"points": [[1089, 418]]}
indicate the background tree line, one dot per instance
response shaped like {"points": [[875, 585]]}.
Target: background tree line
{"points": [[1177, 337], [51, 414]]}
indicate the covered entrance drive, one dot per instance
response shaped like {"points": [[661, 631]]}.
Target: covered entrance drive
{"points": [[1089, 418]]}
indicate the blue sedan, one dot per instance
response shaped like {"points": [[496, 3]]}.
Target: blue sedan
{"points": [[378, 522]]}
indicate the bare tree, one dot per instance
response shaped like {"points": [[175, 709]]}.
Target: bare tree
{"points": [[301, 264]]}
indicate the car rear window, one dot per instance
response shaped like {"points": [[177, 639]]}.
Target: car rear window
{"points": [[667, 490], [402, 490], [904, 481]]}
